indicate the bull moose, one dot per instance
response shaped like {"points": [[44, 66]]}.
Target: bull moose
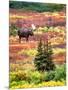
{"points": [[25, 33]]}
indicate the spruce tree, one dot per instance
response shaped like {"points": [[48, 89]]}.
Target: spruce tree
{"points": [[39, 56], [48, 53], [43, 60]]}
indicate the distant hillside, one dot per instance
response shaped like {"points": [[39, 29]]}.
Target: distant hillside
{"points": [[39, 7]]}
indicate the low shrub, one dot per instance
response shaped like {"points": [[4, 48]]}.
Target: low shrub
{"points": [[19, 83], [42, 84], [30, 52], [60, 73], [18, 76], [29, 76], [12, 76], [49, 76], [34, 77]]}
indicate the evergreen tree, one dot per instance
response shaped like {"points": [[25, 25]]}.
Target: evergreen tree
{"points": [[48, 52], [39, 56], [43, 60]]}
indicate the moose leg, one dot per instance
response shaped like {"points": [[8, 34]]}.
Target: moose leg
{"points": [[26, 38], [19, 39]]}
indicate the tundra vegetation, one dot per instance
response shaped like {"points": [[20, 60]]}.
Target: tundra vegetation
{"points": [[41, 60]]}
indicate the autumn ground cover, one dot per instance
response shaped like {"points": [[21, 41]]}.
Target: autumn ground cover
{"points": [[22, 56], [21, 50], [23, 73]]}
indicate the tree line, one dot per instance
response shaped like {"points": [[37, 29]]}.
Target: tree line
{"points": [[39, 7]]}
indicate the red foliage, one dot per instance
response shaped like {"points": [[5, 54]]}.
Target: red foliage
{"points": [[39, 19]]}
